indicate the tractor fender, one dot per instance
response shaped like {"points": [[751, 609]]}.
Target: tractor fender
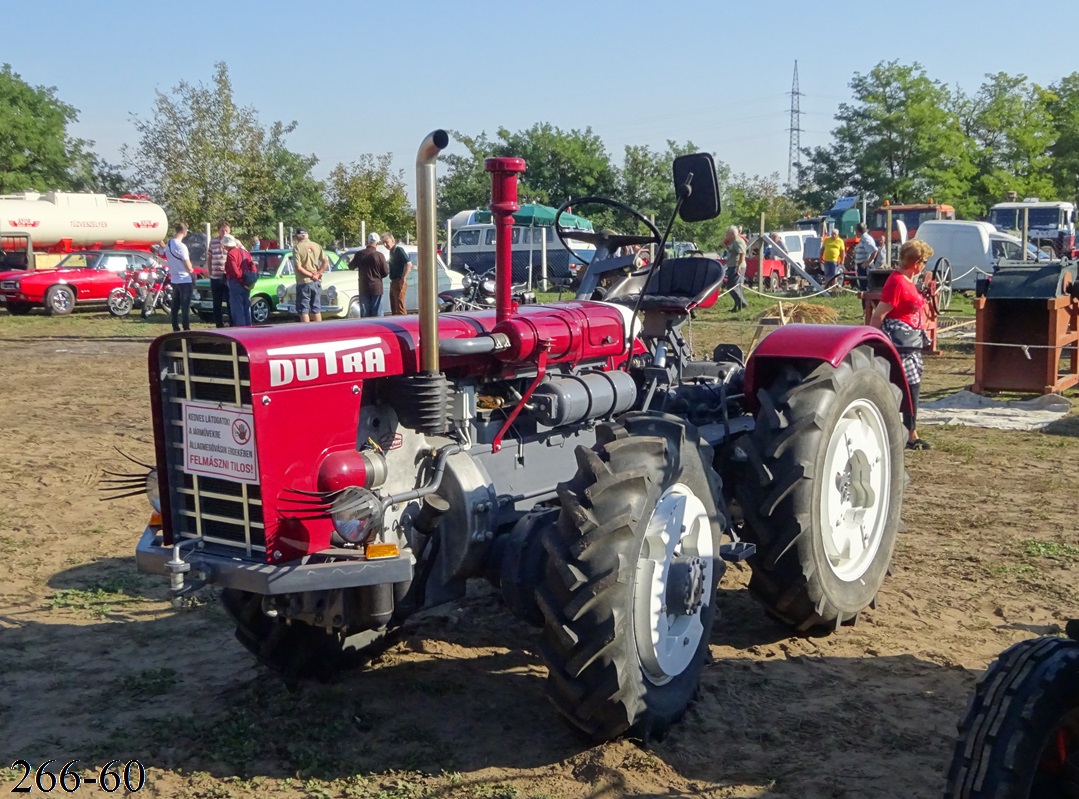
{"points": [[817, 344]]}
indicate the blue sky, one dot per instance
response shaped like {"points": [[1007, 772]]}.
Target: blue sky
{"points": [[364, 77]]}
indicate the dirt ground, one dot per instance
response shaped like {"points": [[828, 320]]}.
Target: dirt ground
{"points": [[96, 665]]}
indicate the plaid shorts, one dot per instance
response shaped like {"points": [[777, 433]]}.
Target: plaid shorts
{"points": [[913, 363]]}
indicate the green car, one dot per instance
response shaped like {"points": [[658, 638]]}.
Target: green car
{"points": [[275, 269]]}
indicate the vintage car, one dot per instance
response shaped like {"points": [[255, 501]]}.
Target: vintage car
{"points": [[341, 289], [275, 273], [80, 279]]}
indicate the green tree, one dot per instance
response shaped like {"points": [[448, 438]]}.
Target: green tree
{"points": [[561, 164], [749, 197], [464, 184], [1011, 132], [205, 158], [1063, 107], [898, 139], [36, 151], [646, 183], [368, 190]]}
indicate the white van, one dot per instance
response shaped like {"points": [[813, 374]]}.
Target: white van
{"points": [[973, 249], [472, 249], [794, 243]]}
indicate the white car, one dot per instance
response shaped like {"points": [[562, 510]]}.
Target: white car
{"points": [[341, 290]]}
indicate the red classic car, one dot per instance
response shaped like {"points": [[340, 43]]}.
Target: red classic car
{"points": [[80, 279]]}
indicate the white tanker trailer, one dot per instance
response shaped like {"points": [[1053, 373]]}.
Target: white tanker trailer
{"points": [[33, 224]]}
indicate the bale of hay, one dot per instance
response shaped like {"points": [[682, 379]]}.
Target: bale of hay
{"points": [[804, 312]]}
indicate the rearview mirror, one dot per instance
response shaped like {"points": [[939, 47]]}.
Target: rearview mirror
{"points": [[697, 173]]}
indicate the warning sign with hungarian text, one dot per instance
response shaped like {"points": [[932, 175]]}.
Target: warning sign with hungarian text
{"points": [[220, 442]]}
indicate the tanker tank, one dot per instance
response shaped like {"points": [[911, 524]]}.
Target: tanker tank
{"points": [[65, 221]]}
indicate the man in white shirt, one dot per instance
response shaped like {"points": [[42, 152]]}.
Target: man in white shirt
{"points": [[865, 252], [182, 275]]}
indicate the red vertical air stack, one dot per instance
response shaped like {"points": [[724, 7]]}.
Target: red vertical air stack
{"points": [[504, 172]]}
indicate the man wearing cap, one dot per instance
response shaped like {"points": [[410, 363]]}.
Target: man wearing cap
{"points": [[237, 261], [400, 266], [310, 262], [372, 267]]}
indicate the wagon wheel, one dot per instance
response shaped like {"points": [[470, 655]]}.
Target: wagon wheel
{"points": [[942, 273]]}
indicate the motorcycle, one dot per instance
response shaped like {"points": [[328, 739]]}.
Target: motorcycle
{"points": [[477, 292], [158, 292], [136, 288]]}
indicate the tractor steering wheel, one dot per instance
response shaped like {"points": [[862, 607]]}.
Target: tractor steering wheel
{"points": [[611, 240]]}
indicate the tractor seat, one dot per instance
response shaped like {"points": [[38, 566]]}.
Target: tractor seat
{"points": [[681, 285]]}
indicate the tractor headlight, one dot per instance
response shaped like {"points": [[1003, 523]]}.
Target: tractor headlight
{"points": [[488, 286], [356, 514], [153, 490], [281, 290]]}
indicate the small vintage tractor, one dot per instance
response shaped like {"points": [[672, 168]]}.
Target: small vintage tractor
{"points": [[1020, 736], [333, 479]]}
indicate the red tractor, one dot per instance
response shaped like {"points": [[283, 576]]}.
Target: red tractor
{"points": [[333, 479]]}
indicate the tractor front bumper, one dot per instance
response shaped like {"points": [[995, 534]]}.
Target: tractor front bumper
{"points": [[348, 569]]}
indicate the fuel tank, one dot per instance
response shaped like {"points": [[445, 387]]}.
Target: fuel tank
{"points": [[78, 221]]}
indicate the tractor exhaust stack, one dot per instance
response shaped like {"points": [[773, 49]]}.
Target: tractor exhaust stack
{"points": [[426, 238]]}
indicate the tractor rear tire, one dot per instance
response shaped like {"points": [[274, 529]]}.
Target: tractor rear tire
{"points": [[294, 651], [823, 506], [639, 531], [1020, 737]]}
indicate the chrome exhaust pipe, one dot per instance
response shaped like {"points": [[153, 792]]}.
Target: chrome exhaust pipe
{"points": [[426, 238]]}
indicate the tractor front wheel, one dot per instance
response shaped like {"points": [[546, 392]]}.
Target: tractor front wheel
{"points": [[295, 651], [633, 565], [1020, 737], [823, 507]]}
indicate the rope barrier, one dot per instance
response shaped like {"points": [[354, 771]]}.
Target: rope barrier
{"points": [[1026, 348]]}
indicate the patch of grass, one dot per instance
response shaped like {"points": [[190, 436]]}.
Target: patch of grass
{"points": [[961, 449], [96, 602], [147, 684], [498, 790], [1053, 550], [317, 789], [1016, 569]]}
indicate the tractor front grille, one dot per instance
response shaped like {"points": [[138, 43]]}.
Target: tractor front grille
{"points": [[225, 515]]}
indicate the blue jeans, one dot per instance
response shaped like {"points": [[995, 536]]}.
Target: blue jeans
{"points": [[371, 305], [239, 303], [181, 305], [219, 294]]}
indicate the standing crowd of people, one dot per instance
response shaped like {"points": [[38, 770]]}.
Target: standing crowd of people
{"points": [[232, 273]]}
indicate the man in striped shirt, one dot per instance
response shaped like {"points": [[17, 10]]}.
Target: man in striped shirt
{"points": [[219, 286]]}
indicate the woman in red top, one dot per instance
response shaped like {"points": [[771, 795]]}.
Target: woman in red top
{"points": [[901, 312]]}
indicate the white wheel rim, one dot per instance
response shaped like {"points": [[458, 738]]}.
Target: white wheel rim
{"points": [[667, 638], [854, 490]]}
